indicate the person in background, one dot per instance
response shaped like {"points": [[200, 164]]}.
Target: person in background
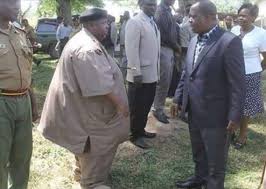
{"points": [[212, 91], [186, 33], [15, 105], [142, 44], [229, 22], [76, 26], [169, 46], [177, 68], [111, 39], [30, 33], [86, 108], [254, 45], [122, 34], [62, 35]]}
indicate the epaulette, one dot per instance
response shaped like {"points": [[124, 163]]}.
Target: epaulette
{"points": [[17, 26]]}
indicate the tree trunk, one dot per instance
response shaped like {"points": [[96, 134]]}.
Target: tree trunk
{"points": [[64, 9]]}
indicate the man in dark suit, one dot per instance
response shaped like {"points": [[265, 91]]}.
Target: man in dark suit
{"points": [[212, 91]]}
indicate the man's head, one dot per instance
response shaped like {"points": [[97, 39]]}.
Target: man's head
{"points": [[169, 2], [229, 21], [126, 15], [95, 21], [9, 10], [25, 22], [148, 6], [202, 16], [75, 20], [60, 19]]}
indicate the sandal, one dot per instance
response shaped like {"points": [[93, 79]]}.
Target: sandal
{"points": [[238, 145]]}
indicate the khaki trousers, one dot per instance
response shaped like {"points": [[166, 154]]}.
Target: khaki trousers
{"points": [[15, 141], [94, 168]]}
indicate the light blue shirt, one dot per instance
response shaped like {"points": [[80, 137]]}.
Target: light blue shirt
{"points": [[63, 32]]}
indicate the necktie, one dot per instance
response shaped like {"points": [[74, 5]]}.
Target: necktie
{"points": [[154, 26]]}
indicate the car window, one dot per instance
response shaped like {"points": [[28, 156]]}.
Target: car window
{"points": [[46, 27]]}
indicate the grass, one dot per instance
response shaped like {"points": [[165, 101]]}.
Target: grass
{"points": [[158, 168]]}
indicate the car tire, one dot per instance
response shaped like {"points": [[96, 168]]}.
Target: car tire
{"points": [[52, 52]]}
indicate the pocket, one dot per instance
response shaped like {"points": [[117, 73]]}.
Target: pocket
{"points": [[27, 53], [145, 63], [3, 51], [3, 106]]}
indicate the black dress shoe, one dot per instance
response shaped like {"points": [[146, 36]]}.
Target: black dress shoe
{"points": [[140, 142], [166, 116], [160, 117], [190, 183], [148, 135]]}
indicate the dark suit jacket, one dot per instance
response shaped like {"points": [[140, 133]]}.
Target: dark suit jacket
{"points": [[214, 90]]}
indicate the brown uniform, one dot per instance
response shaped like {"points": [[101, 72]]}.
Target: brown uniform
{"points": [[15, 60], [15, 110], [76, 111], [30, 34]]}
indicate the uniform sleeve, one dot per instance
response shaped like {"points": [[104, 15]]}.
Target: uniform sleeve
{"points": [[93, 73], [262, 47]]}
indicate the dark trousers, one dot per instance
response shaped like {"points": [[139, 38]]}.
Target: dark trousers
{"points": [[62, 44], [210, 150], [140, 101]]}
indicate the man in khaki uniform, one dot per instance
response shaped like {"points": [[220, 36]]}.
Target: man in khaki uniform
{"points": [[15, 110], [86, 108], [29, 31]]}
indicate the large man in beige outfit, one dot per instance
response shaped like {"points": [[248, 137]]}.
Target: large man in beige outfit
{"points": [[86, 109]]}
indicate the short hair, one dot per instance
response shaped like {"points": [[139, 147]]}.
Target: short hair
{"points": [[24, 20], [207, 8], [253, 9]]}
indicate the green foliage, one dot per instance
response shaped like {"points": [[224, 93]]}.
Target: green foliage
{"points": [[229, 6], [126, 3], [48, 7]]}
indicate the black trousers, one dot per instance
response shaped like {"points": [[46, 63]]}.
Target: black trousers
{"points": [[62, 44], [210, 150], [140, 101]]}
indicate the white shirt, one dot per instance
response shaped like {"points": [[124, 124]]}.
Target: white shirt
{"points": [[63, 31], [254, 43]]}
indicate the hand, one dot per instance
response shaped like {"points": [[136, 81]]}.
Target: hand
{"points": [[123, 110], [232, 127]]}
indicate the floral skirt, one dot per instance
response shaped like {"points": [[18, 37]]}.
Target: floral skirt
{"points": [[254, 100]]}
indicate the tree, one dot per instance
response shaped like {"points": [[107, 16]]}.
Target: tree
{"points": [[65, 8]]}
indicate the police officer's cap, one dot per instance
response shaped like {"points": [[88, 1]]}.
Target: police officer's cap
{"points": [[93, 14]]}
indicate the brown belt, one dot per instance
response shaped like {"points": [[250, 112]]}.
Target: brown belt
{"points": [[19, 92]]}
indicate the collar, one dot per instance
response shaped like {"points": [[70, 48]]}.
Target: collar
{"points": [[146, 16], [208, 35], [11, 29]]}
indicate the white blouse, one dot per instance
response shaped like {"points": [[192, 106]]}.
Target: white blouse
{"points": [[254, 43]]}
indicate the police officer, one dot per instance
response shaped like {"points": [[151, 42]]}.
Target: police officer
{"points": [[15, 109]]}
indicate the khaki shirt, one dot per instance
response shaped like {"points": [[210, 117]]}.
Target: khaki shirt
{"points": [[15, 59], [76, 106], [30, 34]]}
